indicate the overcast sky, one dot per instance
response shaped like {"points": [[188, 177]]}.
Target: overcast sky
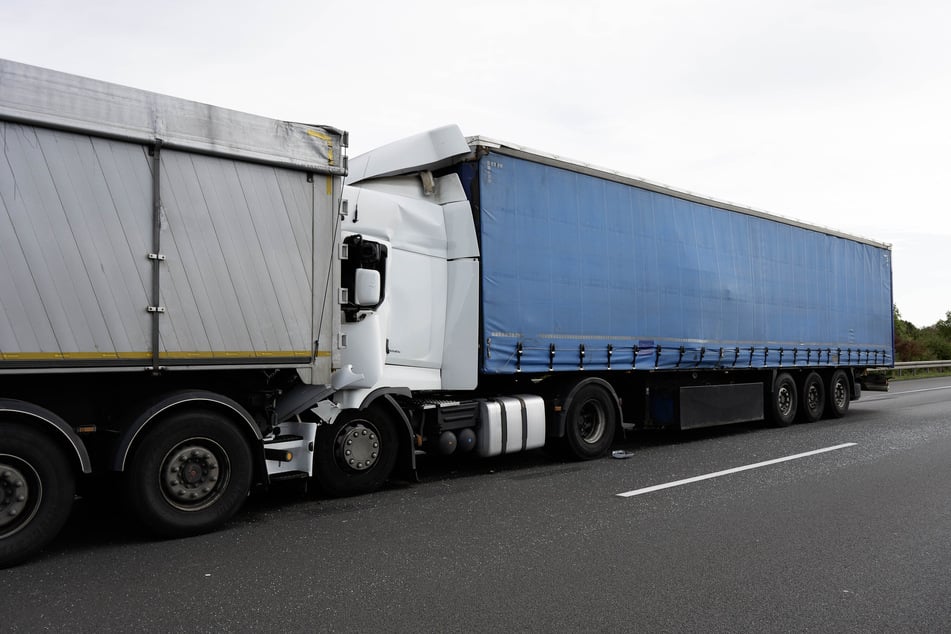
{"points": [[837, 113]]}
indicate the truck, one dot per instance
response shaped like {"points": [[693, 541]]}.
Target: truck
{"points": [[536, 301], [165, 298], [197, 301]]}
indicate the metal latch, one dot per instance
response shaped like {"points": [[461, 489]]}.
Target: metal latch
{"points": [[157, 256], [155, 309]]}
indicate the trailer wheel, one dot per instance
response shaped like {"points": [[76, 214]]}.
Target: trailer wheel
{"points": [[813, 398], [590, 423], [838, 394], [189, 474], [356, 454], [36, 492], [784, 400]]}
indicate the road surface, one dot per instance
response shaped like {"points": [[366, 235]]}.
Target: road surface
{"points": [[837, 526]]}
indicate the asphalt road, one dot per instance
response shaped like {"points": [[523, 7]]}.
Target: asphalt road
{"points": [[853, 539]]}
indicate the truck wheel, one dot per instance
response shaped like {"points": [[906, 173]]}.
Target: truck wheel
{"points": [[813, 398], [590, 423], [36, 492], [189, 474], [838, 394], [784, 400], [356, 454]]}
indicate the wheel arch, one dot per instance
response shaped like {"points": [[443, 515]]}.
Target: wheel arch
{"points": [[385, 400], [56, 427], [153, 413]]}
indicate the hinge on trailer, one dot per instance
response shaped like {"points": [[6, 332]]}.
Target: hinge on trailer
{"points": [[157, 256], [155, 309]]}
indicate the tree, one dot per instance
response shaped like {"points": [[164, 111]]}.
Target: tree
{"points": [[944, 326], [922, 344], [907, 347]]}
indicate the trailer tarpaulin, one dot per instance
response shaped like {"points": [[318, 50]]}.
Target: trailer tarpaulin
{"points": [[582, 271]]}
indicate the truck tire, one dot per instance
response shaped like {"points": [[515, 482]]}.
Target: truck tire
{"points": [[356, 454], [189, 474], [813, 398], [37, 486], [837, 395], [784, 400], [590, 422]]}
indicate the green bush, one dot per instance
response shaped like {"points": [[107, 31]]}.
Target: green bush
{"points": [[931, 343]]}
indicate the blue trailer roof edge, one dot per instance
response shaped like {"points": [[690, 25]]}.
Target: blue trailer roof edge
{"points": [[553, 160]]}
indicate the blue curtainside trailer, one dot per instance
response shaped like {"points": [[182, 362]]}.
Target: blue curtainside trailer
{"points": [[672, 309], [590, 270]]}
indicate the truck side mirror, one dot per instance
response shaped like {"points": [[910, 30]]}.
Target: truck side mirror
{"points": [[362, 276], [366, 288]]}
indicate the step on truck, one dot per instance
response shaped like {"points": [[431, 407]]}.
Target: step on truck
{"points": [[194, 303]]}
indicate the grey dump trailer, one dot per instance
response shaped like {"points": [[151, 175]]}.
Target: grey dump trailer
{"points": [[164, 300]]}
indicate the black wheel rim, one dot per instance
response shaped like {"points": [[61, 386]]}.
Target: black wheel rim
{"points": [[839, 393], [813, 398], [21, 491], [784, 400], [194, 474], [592, 421]]}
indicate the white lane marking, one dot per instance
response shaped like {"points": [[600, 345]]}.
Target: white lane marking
{"points": [[878, 396], [708, 476], [924, 389]]}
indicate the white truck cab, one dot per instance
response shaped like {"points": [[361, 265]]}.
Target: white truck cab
{"points": [[417, 230]]}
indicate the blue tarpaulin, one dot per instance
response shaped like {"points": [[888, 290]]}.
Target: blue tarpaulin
{"points": [[584, 271]]}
